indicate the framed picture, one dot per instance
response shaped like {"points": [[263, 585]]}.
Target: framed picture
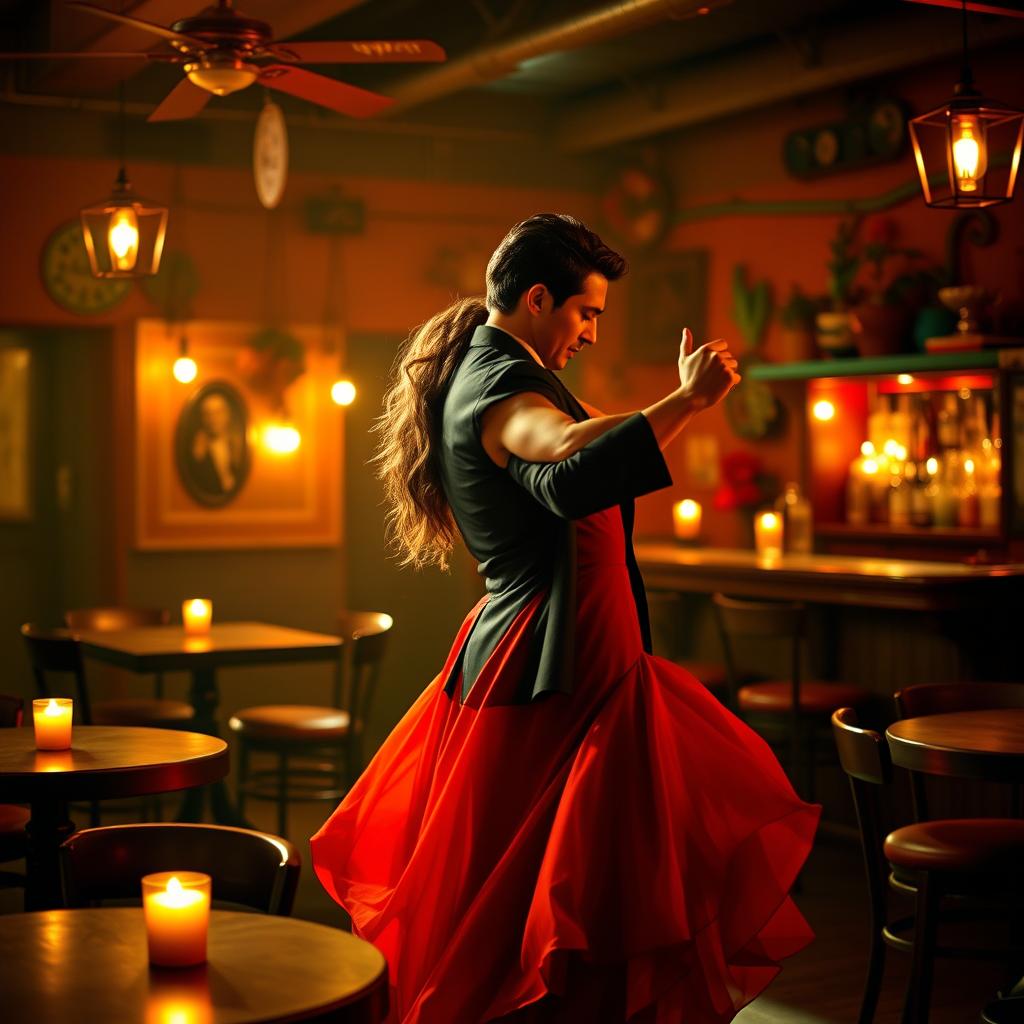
{"points": [[15, 381], [210, 468], [666, 294]]}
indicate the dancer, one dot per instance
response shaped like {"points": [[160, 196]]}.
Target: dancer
{"points": [[563, 827]]}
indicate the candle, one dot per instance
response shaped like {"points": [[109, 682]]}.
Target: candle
{"points": [[176, 906], [686, 519], [768, 534], [51, 717], [196, 613]]}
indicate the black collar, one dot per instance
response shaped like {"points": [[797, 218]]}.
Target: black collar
{"points": [[495, 337]]}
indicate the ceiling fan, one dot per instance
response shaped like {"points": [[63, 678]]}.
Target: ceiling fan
{"points": [[221, 51]]}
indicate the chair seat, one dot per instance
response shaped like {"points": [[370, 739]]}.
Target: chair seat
{"points": [[300, 722], [957, 844], [711, 675], [815, 697], [141, 711], [13, 839]]}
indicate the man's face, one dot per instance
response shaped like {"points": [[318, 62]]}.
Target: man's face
{"points": [[559, 333], [215, 414]]}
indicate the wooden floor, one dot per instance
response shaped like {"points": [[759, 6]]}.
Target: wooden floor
{"points": [[822, 985]]}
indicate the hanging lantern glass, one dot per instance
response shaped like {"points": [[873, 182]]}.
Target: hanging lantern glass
{"points": [[124, 234]]}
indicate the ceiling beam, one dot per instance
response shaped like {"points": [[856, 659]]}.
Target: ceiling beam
{"points": [[771, 72]]}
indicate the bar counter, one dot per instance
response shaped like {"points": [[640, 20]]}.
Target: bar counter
{"points": [[869, 582]]}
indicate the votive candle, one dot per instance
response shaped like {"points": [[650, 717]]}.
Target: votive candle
{"points": [[768, 534], [686, 516], [196, 614], [176, 905], [51, 718]]}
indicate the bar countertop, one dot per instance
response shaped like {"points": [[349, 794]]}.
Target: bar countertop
{"points": [[826, 579]]}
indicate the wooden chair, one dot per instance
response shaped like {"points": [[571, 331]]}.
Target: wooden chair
{"points": [[794, 710], [330, 736], [253, 869], [928, 860], [13, 818], [944, 698]]}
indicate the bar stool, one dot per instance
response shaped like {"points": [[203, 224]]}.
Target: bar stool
{"points": [[928, 860], [13, 818], [793, 710], [330, 736], [944, 698]]}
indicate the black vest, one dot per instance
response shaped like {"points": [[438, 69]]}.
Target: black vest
{"points": [[518, 521]]}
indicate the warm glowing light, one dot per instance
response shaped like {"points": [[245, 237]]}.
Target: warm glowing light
{"points": [[686, 517], [196, 615], [281, 438], [185, 369], [51, 718], [823, 410], [969, 466], [870, 466], [343, 392], [970, 160], [932, 465], [123, 238], [904, 378], [964, 393], [867, 449], [768, 535], [176, 908]]}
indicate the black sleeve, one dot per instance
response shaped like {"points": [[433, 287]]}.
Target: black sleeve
{"points": [[513, 378], [623, 463]]}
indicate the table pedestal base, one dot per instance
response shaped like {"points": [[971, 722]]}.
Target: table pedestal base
{"points": [[48, 827]]}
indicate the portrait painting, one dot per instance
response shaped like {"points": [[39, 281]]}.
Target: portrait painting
{"points": [[208, 473], [211, 444]]}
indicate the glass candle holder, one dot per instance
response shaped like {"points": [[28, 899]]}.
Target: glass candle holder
{"points": [[686, 517], [176, 905], [768, 534], [197, 614], [51, 719]]}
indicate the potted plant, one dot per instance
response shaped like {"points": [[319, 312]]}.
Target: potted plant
{"points": [[797, 320], [834, 326]]}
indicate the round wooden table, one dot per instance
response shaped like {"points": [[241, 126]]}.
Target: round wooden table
{"points": [[967, 744], [66, 966], [104, 762]]}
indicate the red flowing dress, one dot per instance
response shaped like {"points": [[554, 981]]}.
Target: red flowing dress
{"points": [[620, 853]]}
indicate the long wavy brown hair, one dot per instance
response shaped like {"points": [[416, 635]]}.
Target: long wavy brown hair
{"points": [[419, 519]]}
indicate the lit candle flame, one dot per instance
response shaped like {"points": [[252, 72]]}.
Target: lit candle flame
{"points": [[53, 708]]}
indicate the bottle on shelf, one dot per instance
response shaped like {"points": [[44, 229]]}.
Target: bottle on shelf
{"points": [[858, 486], [944, 495], [798, 526], [948, 422]]}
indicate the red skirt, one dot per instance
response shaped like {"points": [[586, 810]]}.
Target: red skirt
{"points": [[621, 853]]}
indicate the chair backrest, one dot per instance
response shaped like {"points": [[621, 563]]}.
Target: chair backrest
{"points": [[366, 637], [12, 710], [944, 698], [864, 755], [781, 620], [113, 617], [254, 869], [57, 650]]}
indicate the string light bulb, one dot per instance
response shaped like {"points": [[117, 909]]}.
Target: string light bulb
{"points": [[343, 392], [281, 437], [184, 368]]}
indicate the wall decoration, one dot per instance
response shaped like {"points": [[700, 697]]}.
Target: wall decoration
{"points": [[211, 469], [211, 444], [15, 379], [636, 206], [869, 136], [270, 155], [666, 294], [67, 278]]}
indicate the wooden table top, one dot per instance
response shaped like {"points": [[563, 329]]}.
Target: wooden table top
{"points": [[832, 579], [67, 966], [107, 761], [967, 744], [155, 648]]}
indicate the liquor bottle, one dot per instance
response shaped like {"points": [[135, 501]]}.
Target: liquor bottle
{"points": [[948, 422], [797, 520], [941, 490], [918, 471]]}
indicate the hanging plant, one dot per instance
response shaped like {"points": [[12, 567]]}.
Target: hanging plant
{"points": [[272, 360]]}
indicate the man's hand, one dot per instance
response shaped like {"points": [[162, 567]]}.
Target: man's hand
{"points": [[706, 374]]}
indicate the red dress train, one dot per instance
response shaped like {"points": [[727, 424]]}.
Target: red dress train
{"points": [[622, 853]]}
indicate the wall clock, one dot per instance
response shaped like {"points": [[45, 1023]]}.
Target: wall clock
{"points": [[270, 155], [64, 267]]}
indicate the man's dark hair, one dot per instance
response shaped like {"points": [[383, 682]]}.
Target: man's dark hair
{"points": [[552, 249]]}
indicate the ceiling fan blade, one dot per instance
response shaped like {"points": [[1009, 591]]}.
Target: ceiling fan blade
{"points": [[184, 100], [359, 51], [145, 26], [327, 92]]}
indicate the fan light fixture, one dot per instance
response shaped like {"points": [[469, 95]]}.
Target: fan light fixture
{"points": [[124, 234], [221, 75], [956, 142]]}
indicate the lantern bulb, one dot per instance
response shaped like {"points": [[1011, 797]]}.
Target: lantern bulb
{"points": [[343, 392], [970, 160], [123, 238], [185, 369]]}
